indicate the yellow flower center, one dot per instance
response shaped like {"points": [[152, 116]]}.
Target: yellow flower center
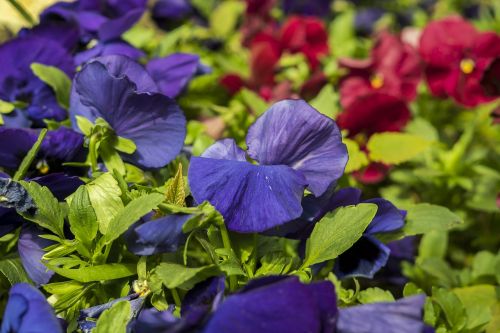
{"points": [[467, 65], [377, 81], [43, 167]]}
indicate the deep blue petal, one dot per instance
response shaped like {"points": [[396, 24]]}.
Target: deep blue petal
{"points": [[14, 144], [114, 28], [152, 320], [387, 219], [307, 7], [115, 47], [365, 258], [60, 184], [201, 300], [283, 306], [153, 121], [251, 198], [27, 311], [30, 247], [158, 236], [405, 315], [173, 73], [225, 149], [293, 133], [172, 9]]}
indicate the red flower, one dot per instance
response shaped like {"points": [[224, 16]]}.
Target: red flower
{"points": [[374, 112], [456, 56], [374, 173], [393, 68], [265, 52], [232, 82], [491, 79], [305, 35]]}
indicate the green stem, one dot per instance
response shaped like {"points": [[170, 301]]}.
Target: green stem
{"points": [[22, 11], [175, 295], [93, 153], [28, 159], [233, 283]]}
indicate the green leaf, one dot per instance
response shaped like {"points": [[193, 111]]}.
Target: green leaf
{"points": [[484, 265], [6, 107], [179, 276], [224, 18], [13, 270], [422, 218], [48, 214], [395, 148], [175, 192], [96, 273], [275, 263], [374, 295], [124, 145], [433, 244], [104, 194], [478, 302], [56, 79], [111, 158], [451, 306], [84, 125], [82, 218], [357, 158], [114, 319], [326, 102], [342, 35], [337, 232], [135, 209], [28, 159], [253, 101]]}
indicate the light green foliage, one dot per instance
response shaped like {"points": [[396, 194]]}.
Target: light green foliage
{"points": [[375, 295], [423, 218], [175, 192], [337, 232], [357, 158], [96, 273], [28, 159], [56, 79], [179, 276], [225, 16], [395, 148], [114, 319], [327, 101], [82, 218]]}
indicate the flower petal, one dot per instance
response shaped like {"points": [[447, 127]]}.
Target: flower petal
{"points": [[30, 247], [404, 315], [293, 133], [225, 149], [158, 236], [366, 257], [251, 198], [388, 217], [173, 73]]}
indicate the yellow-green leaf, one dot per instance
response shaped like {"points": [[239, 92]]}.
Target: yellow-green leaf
{"points": [[357, 158], [395, 148]]}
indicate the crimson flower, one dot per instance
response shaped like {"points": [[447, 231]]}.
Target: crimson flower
{"points": [[393, 68], [456, 56]]}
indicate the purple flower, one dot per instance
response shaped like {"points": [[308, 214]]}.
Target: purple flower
{"points": [[30, 247], [157, 236], [27, 311], [277, 304], [168, 13], [307, 7], [115, 47], [173, 73], [120, 91], [404, 315], [365, 20], [296, 146], [62, 145], [19, 84]]}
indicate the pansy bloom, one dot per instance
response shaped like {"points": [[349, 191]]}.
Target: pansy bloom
{"points": [[18, 83], [296, 147], [28, 311], [456, 56], [121, 92], [393, 68]]}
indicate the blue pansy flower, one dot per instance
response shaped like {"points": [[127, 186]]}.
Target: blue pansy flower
{"points": [[30, 247], [27, 311], [19, 84], [170, 13], [196, 308], [173, 73], [404, 315], [157, 236], [307, 7], [277, 304], [120, 91], [368, 255], [296, 147], [61, 145]]}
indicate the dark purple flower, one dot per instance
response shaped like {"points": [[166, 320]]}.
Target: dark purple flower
{"points": [[277, 304], [30, 247], [62, 145], [296, 147], [64, 33], [157, 236], [365, 20], [151, 120], [114, 47], [172, 10], [27, 311], [404, 315], [19, 84], [173, 73], [307, 7]]}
